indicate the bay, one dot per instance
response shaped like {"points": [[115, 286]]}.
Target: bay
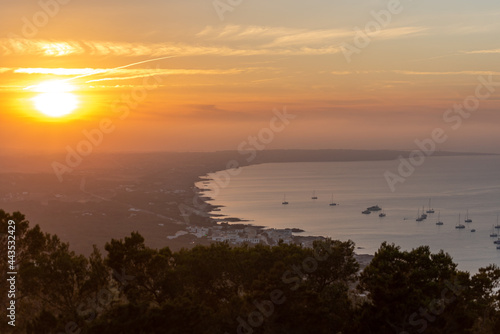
{"points": [[455, 185]]}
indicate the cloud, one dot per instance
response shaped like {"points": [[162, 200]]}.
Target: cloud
{"points": [[447, 73], [285, 37], [19, 46], [57, 71], [99, 48], [416, 72], [312, 38], [141, 73], [395, 33], [124, 74], [230, 40], [356, 72], [236, 32], [492, 51]]}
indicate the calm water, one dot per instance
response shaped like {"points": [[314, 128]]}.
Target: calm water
{"points": [[455, 184]]}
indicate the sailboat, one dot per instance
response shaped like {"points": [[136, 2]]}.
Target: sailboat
{"points": [[424, 215], [439, 222], [332, 203], [459, 226], [284, 200], [419, 217], [467, 219], [314, 195], [430, 208], [497, 225], [382, 214], [493, 233]]}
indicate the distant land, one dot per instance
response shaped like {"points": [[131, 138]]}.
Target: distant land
{"points": [[42, 163], [111, 195]]}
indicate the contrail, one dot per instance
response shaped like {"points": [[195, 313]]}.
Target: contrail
{"points": [[110, 70], [117, 68], [119, 78]]}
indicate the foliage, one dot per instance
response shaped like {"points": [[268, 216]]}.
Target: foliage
{"points": [[226, 289]]}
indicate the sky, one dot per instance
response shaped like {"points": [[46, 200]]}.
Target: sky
{"points": [[205, 75]]}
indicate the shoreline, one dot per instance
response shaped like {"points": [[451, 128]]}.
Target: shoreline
{"points": [[153, 194], [364, 258], [208, 208]]}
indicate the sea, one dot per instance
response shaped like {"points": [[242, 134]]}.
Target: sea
{"points": [[454, 186]]}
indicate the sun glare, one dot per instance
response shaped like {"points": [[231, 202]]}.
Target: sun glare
{"points": [[55, 98]]}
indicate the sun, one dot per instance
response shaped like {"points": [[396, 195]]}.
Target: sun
{"points": [[55, 98]]}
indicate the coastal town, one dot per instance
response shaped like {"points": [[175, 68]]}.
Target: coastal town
{"points": [[246, 234]]}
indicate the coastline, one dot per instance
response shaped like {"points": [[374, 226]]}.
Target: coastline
{"points": [[236, 223], [287, 157], [112, 195]]}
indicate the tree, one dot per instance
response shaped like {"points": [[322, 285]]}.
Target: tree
{"points": [[484, 297], [150, 269], [52, 281], [413, 291]]}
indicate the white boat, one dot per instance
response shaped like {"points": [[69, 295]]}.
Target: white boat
{"points": [[431, 210], [439, 222], [467, 219]]}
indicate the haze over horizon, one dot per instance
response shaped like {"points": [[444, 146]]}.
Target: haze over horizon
{"points": [[219, 75]]}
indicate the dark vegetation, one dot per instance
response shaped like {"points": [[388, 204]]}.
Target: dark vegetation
{"points": [[224, 289]]}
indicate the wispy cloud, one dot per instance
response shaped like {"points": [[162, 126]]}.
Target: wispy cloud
{"points": [[237, 32], [19, 46], [285, 37], [422, 73], [356, 72], [141, 73], [99, 48], [57, 71], [482, 51], [230, 40], [122, 74], [125, 72], [401, 32], [447, 73]]}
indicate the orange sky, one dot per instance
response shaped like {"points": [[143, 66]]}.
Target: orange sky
{"points": [[228, 70]]}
